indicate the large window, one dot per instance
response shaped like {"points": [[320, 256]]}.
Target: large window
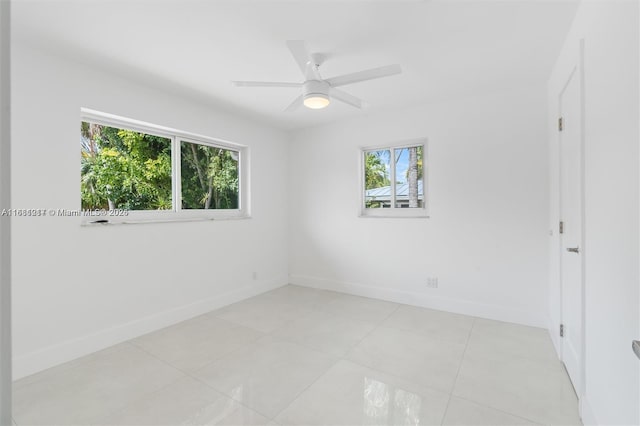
{"points": [[393, 180], [157, 172]]}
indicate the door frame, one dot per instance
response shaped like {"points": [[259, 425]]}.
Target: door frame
{"points": [[577, 70], [5, 222]]}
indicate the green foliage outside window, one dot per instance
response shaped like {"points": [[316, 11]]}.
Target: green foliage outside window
{"points": [[125, 169], [209, 177], [376, 173]]}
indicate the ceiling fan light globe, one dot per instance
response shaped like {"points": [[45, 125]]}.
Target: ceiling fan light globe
{"points": [[316, 101]]}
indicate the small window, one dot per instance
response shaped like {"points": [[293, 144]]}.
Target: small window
{"points": [[394, 181], [138, 168], [209, 177]]}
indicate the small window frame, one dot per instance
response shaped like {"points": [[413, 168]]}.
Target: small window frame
{"points": [[393, 211], [177, 213]]}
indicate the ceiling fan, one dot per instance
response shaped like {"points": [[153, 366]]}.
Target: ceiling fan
{"points": [[317, 92]]}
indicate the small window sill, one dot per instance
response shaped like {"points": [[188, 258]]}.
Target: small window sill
{"points": [[394, 214]]}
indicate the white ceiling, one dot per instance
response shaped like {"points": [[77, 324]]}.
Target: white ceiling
{"points": [[445, 47]]}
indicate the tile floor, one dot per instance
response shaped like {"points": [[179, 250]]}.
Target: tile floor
{"points": [[298, 356]]}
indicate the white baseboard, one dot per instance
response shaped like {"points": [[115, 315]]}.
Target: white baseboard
{"points": [[71, 349], [586, 412], [465, 307]]}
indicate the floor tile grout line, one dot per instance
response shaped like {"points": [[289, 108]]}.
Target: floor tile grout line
{"points": [[242, 346], [64, 367], [139, 398], [237, 324], [343, 358], [333, 361], [377, 326], [337, 360], [315, 308], [264, 334], [402, 379], [499, 410], [482, 404], [126, 343], [423, 334], [455, 380], [321, 375], [337, 357], [310, 311], [380, 325], [190, 375], [343, 294], [395, 376], [230, 397]]}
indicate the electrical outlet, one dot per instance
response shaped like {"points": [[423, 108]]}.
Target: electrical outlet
{"points": [[254, 275], [432, 282]]}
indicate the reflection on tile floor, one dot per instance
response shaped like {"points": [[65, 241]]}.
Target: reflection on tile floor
{"points": [[298, 356]]}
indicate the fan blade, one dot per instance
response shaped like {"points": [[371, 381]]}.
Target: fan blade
{"points": [[346, 98], [264, 84], [303, 58], [357, 77], [294, 105]]}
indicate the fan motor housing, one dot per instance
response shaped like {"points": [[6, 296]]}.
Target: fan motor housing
{"points": [[315, 87]]}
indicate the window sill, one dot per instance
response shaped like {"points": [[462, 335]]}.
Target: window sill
{"points": [[394, 214], [368, 216], [144, 220]]}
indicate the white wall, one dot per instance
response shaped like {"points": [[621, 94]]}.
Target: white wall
{"points": [[78, 289], [610, 33], [486, 239]]}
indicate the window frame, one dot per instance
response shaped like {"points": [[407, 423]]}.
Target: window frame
{"points": [[393, 211], [177, 213]]}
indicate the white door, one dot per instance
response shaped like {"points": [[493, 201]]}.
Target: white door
{"points": [[571, 250]]}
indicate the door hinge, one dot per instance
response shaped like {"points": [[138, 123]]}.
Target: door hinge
{"points": [[561, 330], [561, 227], [560, 124]]}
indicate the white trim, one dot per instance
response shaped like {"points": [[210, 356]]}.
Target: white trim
{"points": [[71, 349], [172, 219], [394, 215], [464, 307], [176, 174], [393, 186], [393, 212], [576, 69], [583, 219], [154, 129], [176, 214]]}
